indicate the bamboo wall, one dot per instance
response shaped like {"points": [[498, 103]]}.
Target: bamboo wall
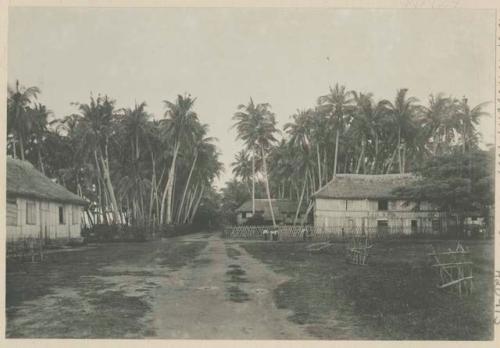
{"points": [[47, 220], [341, 213]]}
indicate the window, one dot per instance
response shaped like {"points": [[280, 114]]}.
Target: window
{"points": [[244, 215], [382, 226], [30, 213], [61, 215], [474, 218], [436, 225], [414, 226], [75, 215], [383, 205]]}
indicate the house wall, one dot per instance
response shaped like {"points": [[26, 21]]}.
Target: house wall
{"points": [[47, 220], [364, 214]]}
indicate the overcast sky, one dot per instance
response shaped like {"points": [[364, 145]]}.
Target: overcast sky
{"points": [[286, 57]]}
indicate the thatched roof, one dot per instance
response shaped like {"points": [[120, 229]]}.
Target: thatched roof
{"points": [[23, 180], [360, 186]]}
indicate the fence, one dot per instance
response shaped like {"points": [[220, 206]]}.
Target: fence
{"points": [[323, 234], [297, 233]]}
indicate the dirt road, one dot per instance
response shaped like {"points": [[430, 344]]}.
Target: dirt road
{"points": [[196, 287], [225, 294]]}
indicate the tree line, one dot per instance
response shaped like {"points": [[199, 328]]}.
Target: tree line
{"points": [[132, 167], [346, 132]]}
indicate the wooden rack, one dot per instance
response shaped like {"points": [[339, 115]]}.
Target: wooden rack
{"points": [[454, 268]]}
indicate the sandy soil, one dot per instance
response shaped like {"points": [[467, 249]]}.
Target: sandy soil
{"points": [[197, 302]]}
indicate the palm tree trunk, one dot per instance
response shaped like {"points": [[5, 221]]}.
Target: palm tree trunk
{"points": [[264, 165], [21, 146], [40, 160], [391, 161], [187, 186], [197, 205], [374, 163], [14, 150], [191, 199], [399, 150], [253, 183], [152, 190], [301, 199], [319, 165], [167, 193], [336, 152], [111, 192], [361, 155]]}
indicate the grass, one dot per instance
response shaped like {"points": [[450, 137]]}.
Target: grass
{"points": [[394, 297], [100, 292]]}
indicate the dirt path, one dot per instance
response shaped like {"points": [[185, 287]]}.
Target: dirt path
{"points": [[203, 300]]}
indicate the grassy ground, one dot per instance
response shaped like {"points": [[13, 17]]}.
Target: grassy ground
{"points": [[102, 291], [394, 297]]}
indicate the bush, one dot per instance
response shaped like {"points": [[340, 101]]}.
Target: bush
{"points": [[178, 230], [102, 233]]}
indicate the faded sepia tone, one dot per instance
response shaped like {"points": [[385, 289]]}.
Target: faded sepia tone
{"points": [[250, 173]]}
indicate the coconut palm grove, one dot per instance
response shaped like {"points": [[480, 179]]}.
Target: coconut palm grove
{"points": [[153, 171]]}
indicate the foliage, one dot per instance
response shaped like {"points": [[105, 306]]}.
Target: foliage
{"points": [[456, 181], [121, 159], [352, 132]]}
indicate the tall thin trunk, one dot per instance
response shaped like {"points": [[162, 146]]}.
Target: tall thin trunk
{"points": [[197, 205], [187, 186], [361, 155], [264, 166], [374, 163], [110, 190], [336, 152], [191, 199], [40, 160], [152, 190], [167, 193], [399, 150], [319, 165], [253, 183], [391, 161], [21, 146], [14, 149], [301, 199]]}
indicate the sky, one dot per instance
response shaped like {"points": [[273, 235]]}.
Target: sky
{"points": [[223, 56]]}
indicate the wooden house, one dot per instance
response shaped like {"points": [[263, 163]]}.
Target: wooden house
{"points": [[38, 207], [284, 211], [358, 203]]}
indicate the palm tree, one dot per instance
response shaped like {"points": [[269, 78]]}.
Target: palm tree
{"points": [[338, 104], [18, 116], [468, 118], [438, 121], [96, 129], [256, 126], [242, 167], [135, 123], [39, 115], [202, 147], [403, 113], [366, 126], [179, 129]]}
